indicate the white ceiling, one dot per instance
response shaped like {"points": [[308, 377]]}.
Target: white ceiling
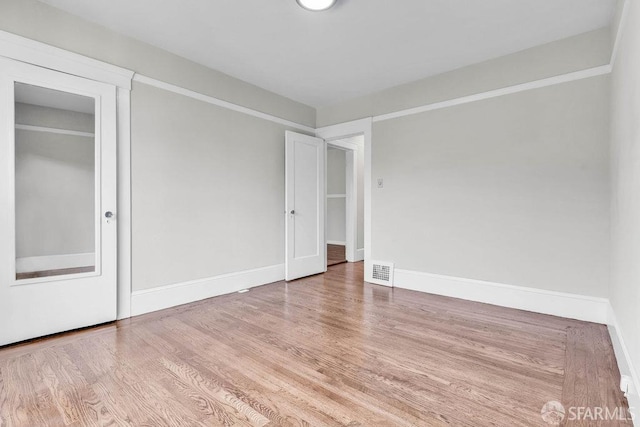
{"points": [[355, 48]]}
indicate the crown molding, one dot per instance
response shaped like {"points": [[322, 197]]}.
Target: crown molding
{"points": [[33, 52]]}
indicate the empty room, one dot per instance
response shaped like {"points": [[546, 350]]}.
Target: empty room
{"points": [[319, 213]]}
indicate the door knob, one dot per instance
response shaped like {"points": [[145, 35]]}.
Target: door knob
{"points": [[293, 212], [108, 214]]}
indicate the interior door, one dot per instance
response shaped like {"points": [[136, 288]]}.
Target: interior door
{"points": [[305, 206], [57, 202]]}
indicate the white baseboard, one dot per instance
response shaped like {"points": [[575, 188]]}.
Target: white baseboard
{"points": [[155, 299], [54, 262], [625, 363], [336, 242], [573, 306], [359, 255]]}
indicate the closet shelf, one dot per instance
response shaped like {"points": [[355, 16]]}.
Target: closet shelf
{"points": [[54, 130]]}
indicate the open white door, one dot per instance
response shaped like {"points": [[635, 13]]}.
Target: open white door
{"points": [[57, 202], [305, 249]]}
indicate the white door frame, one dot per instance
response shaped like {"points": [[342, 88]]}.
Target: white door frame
{"points": [[36, 53], [345, 130], [351, 184]]}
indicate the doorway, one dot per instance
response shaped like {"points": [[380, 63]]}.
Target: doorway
{"points": [[336, 205], [345, 200], [305, 156]]}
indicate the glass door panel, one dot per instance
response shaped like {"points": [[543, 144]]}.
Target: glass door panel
{"points": [[55, 183]]}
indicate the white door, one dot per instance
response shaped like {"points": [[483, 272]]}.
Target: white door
{"points": [[305, 252], [57, 202]]}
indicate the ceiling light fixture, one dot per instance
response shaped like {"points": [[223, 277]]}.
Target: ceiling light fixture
{"points": [[316, 5]]}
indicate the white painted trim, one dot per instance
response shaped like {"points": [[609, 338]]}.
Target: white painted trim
{"points": [[336, 196], [621, 25], [54, 262], [337, 143], [54, 130], [345, 130], [32, 52], [219, 102], [536, 84], [351, 203], [573, 306], [336, 242], [359, 255], [623, 357], [149, 300], [124, 203]]}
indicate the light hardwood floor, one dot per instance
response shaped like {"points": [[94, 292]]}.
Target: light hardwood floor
{"points": [[336, 254], [328, 350]]}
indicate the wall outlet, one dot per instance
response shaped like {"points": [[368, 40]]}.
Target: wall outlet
{"points": [[380, 183], [626, 385]]}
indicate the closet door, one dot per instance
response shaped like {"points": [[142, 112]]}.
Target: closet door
{"points": [[57, 202]]}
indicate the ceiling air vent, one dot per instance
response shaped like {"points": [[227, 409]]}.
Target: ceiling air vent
{"points": [[382, 273]]}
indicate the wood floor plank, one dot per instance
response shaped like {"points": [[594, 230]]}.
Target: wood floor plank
{"points": [[4, 404], [395, 366], [214, 373], [328, 350], [336, 254], [590, 383], [305, 381], [394, 361]]}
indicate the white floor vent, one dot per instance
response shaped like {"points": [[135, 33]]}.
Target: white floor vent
{"points": [[382, 273]]}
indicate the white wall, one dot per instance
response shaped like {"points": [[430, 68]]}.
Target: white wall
{"points": [[336, 185], [512, 190], [55, 212], [208, 190], [625, 201]]}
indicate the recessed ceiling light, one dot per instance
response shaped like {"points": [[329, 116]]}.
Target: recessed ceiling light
{"points": [[316, 5]]}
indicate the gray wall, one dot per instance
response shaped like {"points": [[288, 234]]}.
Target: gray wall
{"points": [[208, 189], [512, 190], [54, 184], [560, 57], [625, 137], [336, 184]]}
